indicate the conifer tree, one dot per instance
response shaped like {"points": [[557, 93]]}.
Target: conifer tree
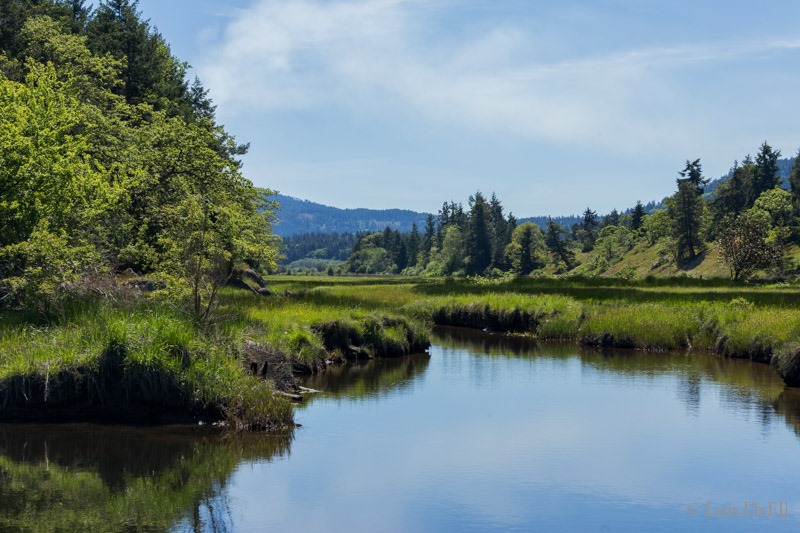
{"points": [[637, 216]]}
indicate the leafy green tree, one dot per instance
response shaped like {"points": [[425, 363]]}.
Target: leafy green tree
{"points": [[743, 246], [612, 244], [526, 251], [51, 194], [449, 259], [369, 257], [657, 226], [774, 209]]}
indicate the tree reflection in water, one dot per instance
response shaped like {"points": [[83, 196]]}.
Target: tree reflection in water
{"points": [[97, 478]]}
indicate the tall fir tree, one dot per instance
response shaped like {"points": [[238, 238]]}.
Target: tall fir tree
{"points": [[478, 244], [637, 216], [766, 171], [686, 211]]}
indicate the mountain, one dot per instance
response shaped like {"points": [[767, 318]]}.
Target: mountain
{"points": [[302, 216]]}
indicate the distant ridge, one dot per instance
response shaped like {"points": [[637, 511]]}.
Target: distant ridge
{"points": [[298, 216]]}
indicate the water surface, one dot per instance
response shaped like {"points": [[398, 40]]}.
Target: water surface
{"points": [[483, 433]]}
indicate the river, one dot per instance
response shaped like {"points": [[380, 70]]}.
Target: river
{"points": [[483, 433]]}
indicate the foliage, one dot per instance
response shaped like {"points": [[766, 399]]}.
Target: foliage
{"points": [[743, 245], [686, 211], [527, 251], [109, 161]]}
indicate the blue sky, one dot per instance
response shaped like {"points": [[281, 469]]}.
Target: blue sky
{"points": [[553, 105]]}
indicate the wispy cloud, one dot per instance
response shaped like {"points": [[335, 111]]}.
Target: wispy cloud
{"points": [[367, 54]]}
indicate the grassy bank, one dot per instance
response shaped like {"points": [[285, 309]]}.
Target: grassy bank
{"points": [[142, 364], [144, 361], [752, 321]]}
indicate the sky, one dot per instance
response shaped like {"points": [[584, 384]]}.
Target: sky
{"points": [[555, 106]]}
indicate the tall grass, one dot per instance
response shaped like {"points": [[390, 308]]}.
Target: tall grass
{"points": [[155, 356]]}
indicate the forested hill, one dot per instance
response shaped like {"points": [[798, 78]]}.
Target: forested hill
{"points": [[302, 216], [784, 168]]}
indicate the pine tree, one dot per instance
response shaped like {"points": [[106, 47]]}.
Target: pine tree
{"points": [[637, 216], [428, 239], [478, 244], [794, 185], [611, 219], [731, 197], [686, 210], [413, 246], [766, 171], [557, 245], [693, 173]]}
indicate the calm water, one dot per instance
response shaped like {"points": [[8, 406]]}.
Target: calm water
{"points": [[484, 434]]}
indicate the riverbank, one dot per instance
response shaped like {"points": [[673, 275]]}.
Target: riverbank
{"points": [[760, 322], [143, 361]]}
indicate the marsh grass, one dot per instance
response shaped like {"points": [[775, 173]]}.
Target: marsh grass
{"points": [[750, 320], [131, 364], [147, 357]]}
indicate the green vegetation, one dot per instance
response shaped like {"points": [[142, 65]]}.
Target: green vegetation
{"points": [[743, 226], [732, 319], [113, 169], [126, 219]]}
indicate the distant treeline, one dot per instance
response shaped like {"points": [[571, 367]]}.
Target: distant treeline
{"points": [[749, 216]]}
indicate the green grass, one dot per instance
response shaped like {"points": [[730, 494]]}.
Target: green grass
{"points": [[736, 319], [165, 360]]}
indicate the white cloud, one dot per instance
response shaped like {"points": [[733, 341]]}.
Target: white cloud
{"points": [[363, 54]]}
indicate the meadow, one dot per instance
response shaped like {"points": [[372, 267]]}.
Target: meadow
{"points": [[142, 358]]}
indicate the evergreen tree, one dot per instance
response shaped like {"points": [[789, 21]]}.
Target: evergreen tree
{"points": [[693, 173], [765, 175], [501, 231], [589, 222], [637, 216], [478, 244], [611, 219], [401, 261], [731, 197], [686, 210], [794, 185], [413, 246], [557, 245], [586, 230], [428, 238], [151, 74]]}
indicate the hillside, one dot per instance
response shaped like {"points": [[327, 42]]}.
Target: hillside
{"points": [[298, 216]]}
